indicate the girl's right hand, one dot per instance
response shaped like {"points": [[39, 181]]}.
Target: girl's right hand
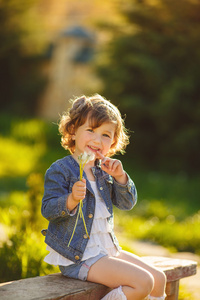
{"points": [[77, 194], [79, 190]]}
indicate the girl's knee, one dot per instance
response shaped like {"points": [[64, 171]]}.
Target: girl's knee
{"points": [[149, 284], [160, 278], [146, 285]]}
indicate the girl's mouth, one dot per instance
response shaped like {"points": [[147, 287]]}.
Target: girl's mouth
{"points": [[93, 149]]}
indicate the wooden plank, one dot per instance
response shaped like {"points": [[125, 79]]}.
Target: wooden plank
{"points": [[175, 269], [172, 290], [50, 287]]}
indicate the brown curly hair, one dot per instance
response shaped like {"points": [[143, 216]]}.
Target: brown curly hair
{"points": [[99, 110]]}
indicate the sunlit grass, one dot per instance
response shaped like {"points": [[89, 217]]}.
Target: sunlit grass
{"points": [[16, 198], [27, 145], [177, 191], [18, 158], [22, 147], [184, 294], [28, 130], [165, 230]]}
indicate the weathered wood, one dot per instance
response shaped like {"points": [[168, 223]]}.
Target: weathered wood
{"points": [[172, 290], [51, 287], [175, 269], [58, 287]]}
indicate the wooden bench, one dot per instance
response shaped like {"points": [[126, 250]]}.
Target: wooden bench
{"points": [[56, 286]]}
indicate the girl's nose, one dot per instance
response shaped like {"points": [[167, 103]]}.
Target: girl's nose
{"points": [[97, 139]]}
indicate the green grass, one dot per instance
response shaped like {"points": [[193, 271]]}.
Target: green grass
{"points": [[27, 146], [167, 212], [174, 190]]}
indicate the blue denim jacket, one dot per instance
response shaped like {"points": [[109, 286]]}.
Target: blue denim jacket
{"points": [[59, 180]]}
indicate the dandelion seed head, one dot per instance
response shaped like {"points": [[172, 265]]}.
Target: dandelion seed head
{"points": [[85, 157]]}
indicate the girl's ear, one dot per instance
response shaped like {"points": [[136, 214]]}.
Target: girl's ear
{"points": [[114, 141], [72, 132]]}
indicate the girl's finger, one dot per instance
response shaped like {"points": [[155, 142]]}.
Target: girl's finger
{"points": [[110, 164], [115, 164], [101, 156], [81, 183], [106, 164]]}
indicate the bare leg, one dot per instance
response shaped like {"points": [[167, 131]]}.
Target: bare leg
{"points": [[136, 282], [115, 294], [159, 277]]}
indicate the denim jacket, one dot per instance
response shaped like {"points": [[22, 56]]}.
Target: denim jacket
{"points": [[59, 180]]}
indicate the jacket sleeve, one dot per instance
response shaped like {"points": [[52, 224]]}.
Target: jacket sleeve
{"points": [[124, 196], [56, 191]]}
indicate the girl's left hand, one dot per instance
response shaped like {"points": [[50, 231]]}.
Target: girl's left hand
{"points": [[113, 167]]}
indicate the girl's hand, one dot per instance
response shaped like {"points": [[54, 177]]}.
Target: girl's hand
{"points": [[77, 194], [114, 168], [79, 190]]}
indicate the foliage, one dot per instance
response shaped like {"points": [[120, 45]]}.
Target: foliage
{"points": [[22, 255], [162, 228], [150, 68], [167, 211], [184, 294], [177, 190], [27, 146], [35, 193], [21, 80]]}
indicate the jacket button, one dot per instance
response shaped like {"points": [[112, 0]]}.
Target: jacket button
{"points": [[77, 257], [44, 232], [101, 188], [90, 216], [85, 236], [63, 213]]}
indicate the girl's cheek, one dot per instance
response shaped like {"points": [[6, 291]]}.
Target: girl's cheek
{"points": [[107, 148]]}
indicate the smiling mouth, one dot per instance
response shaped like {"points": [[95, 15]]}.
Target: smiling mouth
{"points": [[93, 149]]}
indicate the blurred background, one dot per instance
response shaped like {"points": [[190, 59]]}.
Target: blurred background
{"points": [[144, 56]]}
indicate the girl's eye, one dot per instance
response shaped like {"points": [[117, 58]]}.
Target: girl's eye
{"points": [[106, 135], [90, 130]]}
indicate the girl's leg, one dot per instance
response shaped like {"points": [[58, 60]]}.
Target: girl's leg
{"points": [[137, 283], [115, 294], [159, 277]]}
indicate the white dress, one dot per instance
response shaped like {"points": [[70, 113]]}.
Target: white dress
{"points": [[100, 240]]}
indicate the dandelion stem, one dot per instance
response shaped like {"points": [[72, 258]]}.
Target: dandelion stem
{"points": [[74, 226], [83, 159]]}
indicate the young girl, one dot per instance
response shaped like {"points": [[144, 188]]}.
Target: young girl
{"points": [[91, 251]]}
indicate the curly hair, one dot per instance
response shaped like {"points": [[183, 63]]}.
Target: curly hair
{"points": [[98, 110]]}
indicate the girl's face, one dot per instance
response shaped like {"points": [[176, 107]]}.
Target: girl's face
{"points": [[94, 139]]}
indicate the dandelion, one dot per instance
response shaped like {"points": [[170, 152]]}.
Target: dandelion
{"points": [[83, 159]]}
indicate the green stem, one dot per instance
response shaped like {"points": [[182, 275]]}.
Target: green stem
{"points": [[74, 226], [80, 211]]}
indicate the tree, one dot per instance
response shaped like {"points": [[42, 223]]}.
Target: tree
{"points": [[20, 78], [152, 72]]}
